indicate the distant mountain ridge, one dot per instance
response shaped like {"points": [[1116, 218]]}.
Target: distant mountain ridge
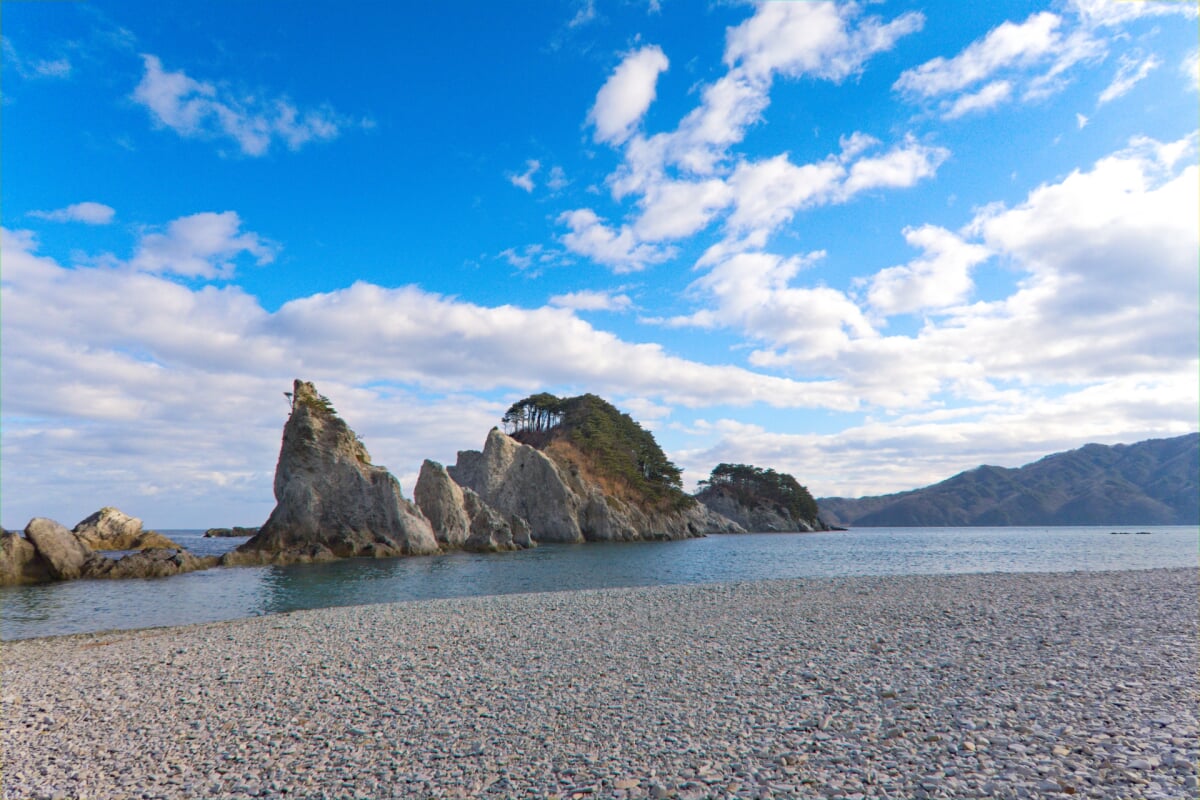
{"points": [[1155, 482]]}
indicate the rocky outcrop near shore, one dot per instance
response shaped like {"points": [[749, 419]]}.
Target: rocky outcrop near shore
{"points": [[758, 517], [331, 501], [49, 552], [111, 529], [461, 519], [229, 533], [559, 502]]}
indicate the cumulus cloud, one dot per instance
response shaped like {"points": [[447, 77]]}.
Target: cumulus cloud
{"points": [[627, 94], [941, 277], [818, 39], [204, 245], [618, 249], [201, 109], [89, 213], [119, 377], [1106, 290], [685, 180], [1130, 72]]}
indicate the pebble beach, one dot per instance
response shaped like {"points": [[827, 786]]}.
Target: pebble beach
{"points": [[999, 685]]}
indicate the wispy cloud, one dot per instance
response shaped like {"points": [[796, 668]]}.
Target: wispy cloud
{"points": [[1034, 57], [524, 180], [1130, 72], [592, 300], [34, 68], [200, 109], [90, 213]]}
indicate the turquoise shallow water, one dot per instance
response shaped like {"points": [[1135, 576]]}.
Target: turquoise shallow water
{"points": [[230, 593]]}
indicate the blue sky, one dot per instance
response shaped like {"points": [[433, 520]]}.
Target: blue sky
{"points": [[869, 244]]}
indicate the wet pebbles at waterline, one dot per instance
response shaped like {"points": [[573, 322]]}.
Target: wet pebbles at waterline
{"points": [[1003, 685]]}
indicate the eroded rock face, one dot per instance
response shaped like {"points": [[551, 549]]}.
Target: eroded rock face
{"points": [[560, 505], [760, 518], [64, 555], [521, 481], [461, 519], [110, 529], [330, 500]]}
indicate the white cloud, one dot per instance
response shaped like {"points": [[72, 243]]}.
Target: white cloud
{"points": [[591, 300], [895, 453], [204, 245], [34, 68], [627, 94], [89, 213], [814, 38], [768, 193], [1103, 13], [1190, 67], [939, 278], [675, 209], [618, 249], [194, 108], [1107, 290], [901, 167], [1131, 72], [1005, 45], [524, 180], [990, 96], [1035, 55], [557, 179]]}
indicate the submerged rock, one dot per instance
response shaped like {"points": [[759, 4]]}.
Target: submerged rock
{"points": [[153, 563], [111, 529], [330, 500]]}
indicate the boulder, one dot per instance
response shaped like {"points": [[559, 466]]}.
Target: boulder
{"points": [[110, 529], [62, 552], [329, 497], [20, 563]]}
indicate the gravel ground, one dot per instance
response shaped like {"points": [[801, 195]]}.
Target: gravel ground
{"points": [[1007, 686]]}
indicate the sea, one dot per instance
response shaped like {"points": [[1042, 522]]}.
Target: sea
{"points": [[225, 593]]}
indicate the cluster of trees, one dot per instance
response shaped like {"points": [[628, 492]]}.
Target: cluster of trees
{"points": [[752, 485], [537, 413], [617, 447]]}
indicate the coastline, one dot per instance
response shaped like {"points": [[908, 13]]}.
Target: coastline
{"points": [[938, 686]]}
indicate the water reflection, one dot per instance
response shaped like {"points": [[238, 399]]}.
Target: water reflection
{"points": [[228, 593]]}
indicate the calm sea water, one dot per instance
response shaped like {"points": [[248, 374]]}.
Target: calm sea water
{"points": [[230, 593]]}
